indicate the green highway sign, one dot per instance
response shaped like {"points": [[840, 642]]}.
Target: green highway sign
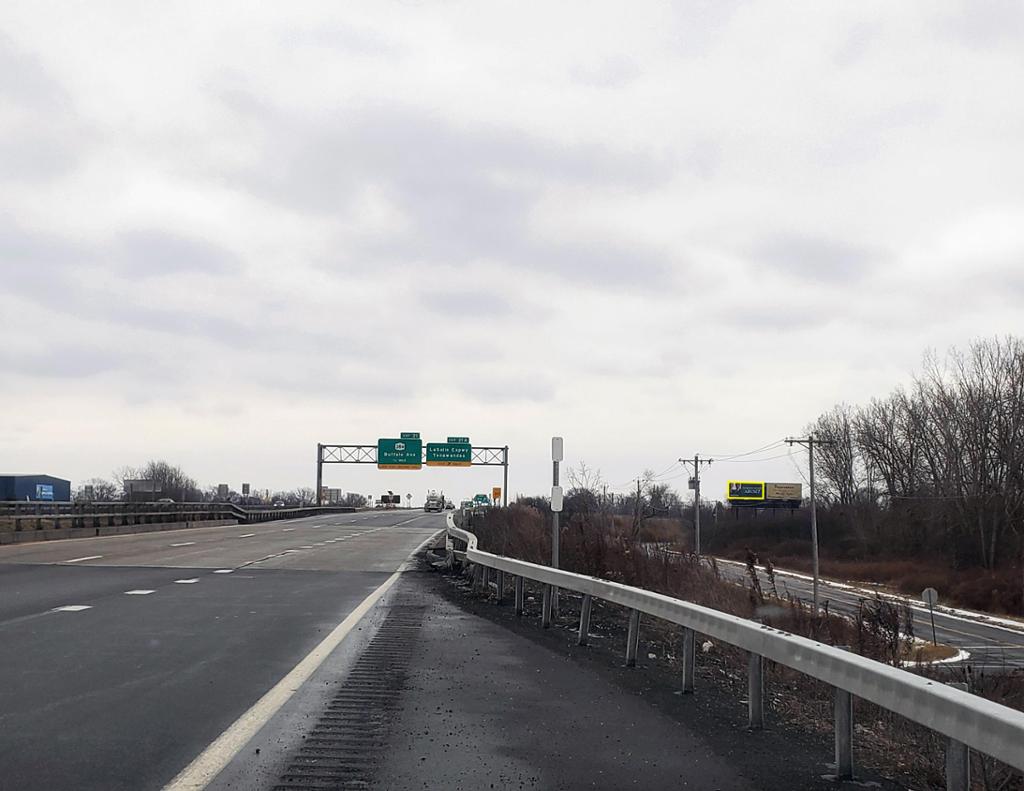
{"points": [[400, 454], [481, 498], [458, 440], [410, 435], [440, 454]]}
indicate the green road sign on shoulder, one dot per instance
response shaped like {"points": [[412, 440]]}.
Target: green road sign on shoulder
{"points": [[410, 435], [399, 454], [481, 498], [458, 440], [441, 454]]}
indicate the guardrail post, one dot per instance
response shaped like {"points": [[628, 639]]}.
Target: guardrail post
{"points": [[500, 578], [485, 580], [633, 638], [689, 659], [545, 615], [843, 707], [755, 692], [958, 759], [519, 595], [584, 637]]}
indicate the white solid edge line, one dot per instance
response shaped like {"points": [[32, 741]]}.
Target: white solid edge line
{"points": [[79, 560], [211, 761]]}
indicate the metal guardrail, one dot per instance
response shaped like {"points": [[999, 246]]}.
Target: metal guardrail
{"points": [[30, 516], [967, 720]]}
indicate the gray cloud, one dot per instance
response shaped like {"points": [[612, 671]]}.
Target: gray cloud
{"points": [[24, 81], [467, 195], [780, 318], [64, 360], [985, 25], [153, 252], [466, 303], [815, 258], [494, 387], [43, 138]]}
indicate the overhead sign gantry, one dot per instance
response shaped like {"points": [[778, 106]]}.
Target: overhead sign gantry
{"points": [[407, 452]]}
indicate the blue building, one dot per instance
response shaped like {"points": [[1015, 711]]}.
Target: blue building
{"points": [[37, 488]]}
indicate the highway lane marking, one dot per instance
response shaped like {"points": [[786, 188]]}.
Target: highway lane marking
{"points": [[184, 544], [287, 529], [247, 535], [209, 763], [306, 547], [223, 571], [79, 560], [72, 608], [187, 582], [139, 592]]}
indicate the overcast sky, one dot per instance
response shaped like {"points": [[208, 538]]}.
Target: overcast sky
{"points": [[231, 230]]}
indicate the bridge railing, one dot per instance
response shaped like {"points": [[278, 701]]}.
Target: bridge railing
{"points": [[31, 516], [969, 721]]}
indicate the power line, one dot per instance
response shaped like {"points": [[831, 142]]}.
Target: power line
{"points": [[752, 461], [763, 448]]}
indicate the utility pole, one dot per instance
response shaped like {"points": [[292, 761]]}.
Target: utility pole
{"points": [[809, 442], [695, 485]]}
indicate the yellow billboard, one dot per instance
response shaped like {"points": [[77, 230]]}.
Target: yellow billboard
{"points": [[745, 490]]}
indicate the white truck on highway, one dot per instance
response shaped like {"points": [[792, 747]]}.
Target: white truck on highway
{"points": [[434, 503]]}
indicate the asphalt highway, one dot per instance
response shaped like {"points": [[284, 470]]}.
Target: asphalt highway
{"points": [[989, 645], [122, 658]]}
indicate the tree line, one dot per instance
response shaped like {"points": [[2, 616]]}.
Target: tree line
{"points": [[937, 467], [170, 481]]}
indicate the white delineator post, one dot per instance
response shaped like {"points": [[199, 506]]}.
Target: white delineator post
{"points": [[556, 508]]}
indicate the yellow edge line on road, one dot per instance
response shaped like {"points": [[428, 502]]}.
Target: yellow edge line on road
{"points": [[198, 774]]}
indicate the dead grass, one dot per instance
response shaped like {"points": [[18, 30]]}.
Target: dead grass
{"points": [[996, 592]]}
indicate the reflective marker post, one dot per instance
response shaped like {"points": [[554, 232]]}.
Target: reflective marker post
{"points": [[556, 508]]}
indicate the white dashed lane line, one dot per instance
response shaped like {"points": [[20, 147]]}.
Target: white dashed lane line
{"points": [[72, 608], [184, 544], [186, 582], [247, 535], [139, 592], [87, 557], [223, 571], [287, 529]]}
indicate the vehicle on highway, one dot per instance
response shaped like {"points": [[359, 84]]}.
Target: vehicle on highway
{"points": [[434, 503], [165, 500], [279, 504]]}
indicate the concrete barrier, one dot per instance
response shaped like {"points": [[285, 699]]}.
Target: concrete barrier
{"points": [[52, 534]]}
